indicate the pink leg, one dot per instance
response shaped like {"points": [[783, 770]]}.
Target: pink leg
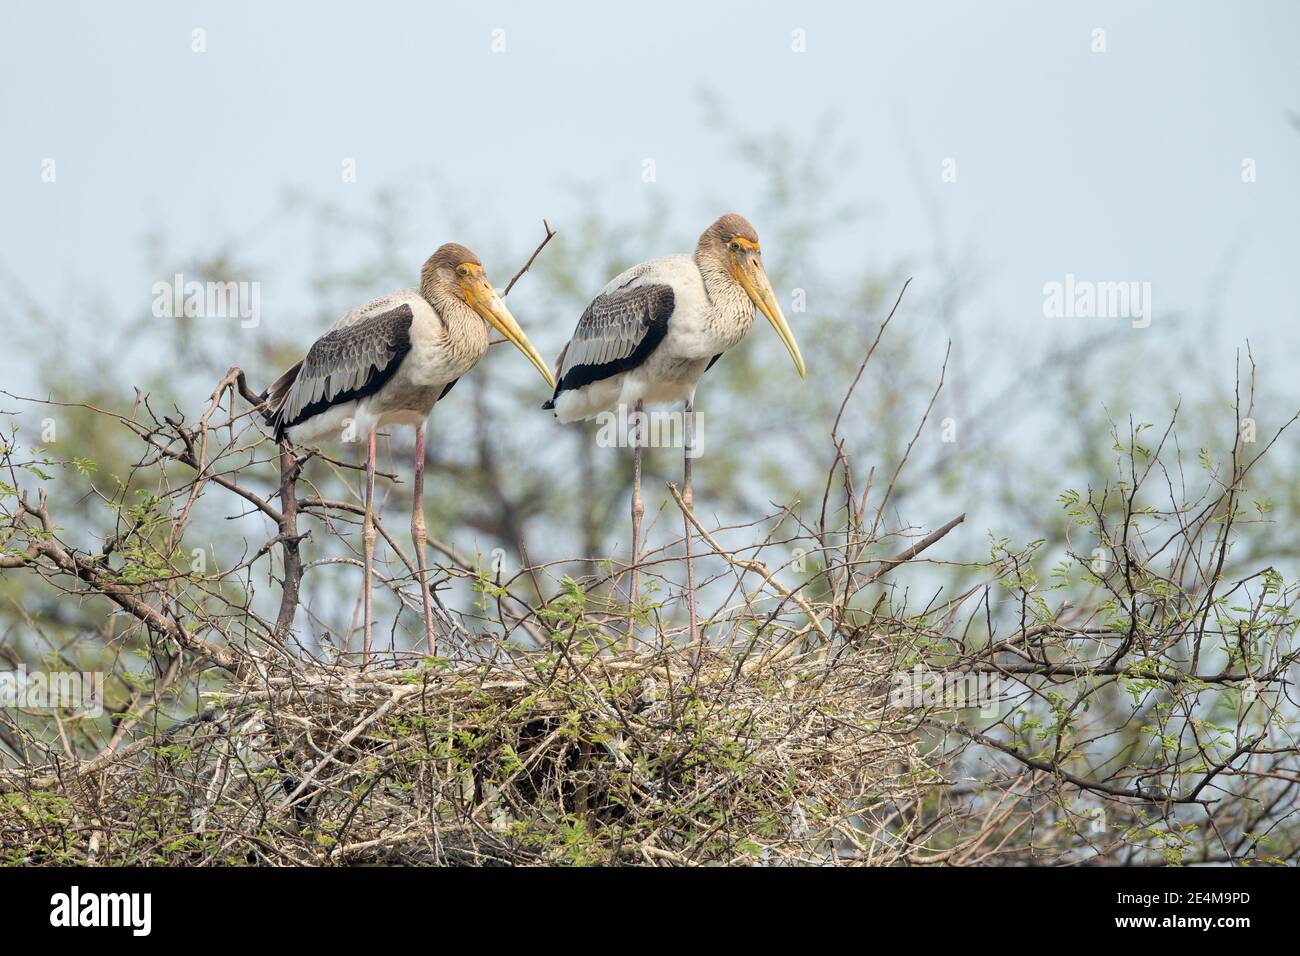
{"points": [[419, 536], [368, 537], [689, 499], [638, 509]]}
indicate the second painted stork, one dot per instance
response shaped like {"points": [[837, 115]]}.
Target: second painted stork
{"points": [[389, 362], [650, 335]]}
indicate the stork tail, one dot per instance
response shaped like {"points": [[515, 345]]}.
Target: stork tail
{"points": [[275, 396]]}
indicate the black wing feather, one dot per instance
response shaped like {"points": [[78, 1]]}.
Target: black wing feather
{"points": [[333, 357], [636, 317]]}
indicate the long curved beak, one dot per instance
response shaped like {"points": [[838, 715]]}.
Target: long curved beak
{"points": [[484, 300], [753, 278]]}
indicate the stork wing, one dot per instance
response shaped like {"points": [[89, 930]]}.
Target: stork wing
{"points": [[618, 332], [354, 359]]}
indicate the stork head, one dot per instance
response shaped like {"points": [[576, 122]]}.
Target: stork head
{"points": [[731, 246], [455, 273]]}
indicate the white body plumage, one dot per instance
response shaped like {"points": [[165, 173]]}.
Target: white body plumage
{"points": [[441, 351], [710, 315]]}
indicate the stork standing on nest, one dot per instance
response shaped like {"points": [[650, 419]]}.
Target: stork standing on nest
{"points": [[387, 363], [650, 335]]}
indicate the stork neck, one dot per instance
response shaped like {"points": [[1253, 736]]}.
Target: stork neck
{"points": [[434, 294], [733, 312], [719, 285], [464, 331]]}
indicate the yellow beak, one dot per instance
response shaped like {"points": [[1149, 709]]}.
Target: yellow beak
{"points": [[753, 278], [484, 300]]}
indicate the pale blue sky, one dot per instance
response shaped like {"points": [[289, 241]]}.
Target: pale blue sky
{"points": [[1122, 165]]}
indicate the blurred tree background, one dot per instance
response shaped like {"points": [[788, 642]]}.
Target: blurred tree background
{"points": [[1013, 442], [1005, 438]]}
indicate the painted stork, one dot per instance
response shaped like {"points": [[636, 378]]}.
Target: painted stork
{"points": [[650, 335], [387, 363]]}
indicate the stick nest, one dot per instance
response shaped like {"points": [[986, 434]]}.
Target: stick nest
{"points": [[571, 755]]}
